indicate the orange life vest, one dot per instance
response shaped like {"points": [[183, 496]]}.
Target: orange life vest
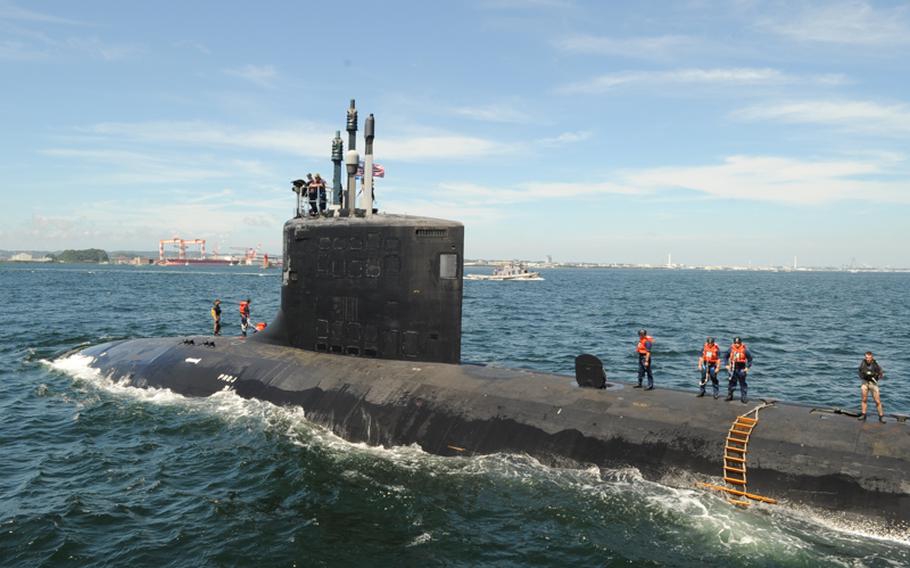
{"points": [[245, 309], [260, 326], [710, 353], [642, 348], [738, 353]]}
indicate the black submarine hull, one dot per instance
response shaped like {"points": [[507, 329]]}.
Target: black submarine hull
{"points": [[796, 453]]}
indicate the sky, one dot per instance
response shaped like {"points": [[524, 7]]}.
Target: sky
{"points": [[727, 132]]}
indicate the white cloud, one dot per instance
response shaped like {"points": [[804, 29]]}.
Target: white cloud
{"points": [[782, 180], [850, 23], [261, 220], [32, 45], [875, 178], [520, 4], [122, 167], [10, 11], [439, 147], [481, 204], [137, 221], [566, 138], [735, 76], [503, 113], [100, 49], [643, 47], [262, 75], [862, 116], [18, 51], [442, 208], [195, 45], [471, 195], [304, 139]]}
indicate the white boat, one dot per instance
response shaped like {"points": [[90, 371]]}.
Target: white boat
{"points": [[511, 271]]}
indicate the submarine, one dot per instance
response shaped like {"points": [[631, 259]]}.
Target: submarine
{"points": [[367, 341]]}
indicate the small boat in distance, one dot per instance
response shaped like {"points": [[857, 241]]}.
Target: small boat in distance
{"points": [[511, 271]]}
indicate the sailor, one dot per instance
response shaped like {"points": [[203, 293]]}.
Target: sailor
{"points": [[709, 365], [312, 194], [645, 342], [320, 189], [870, 372], [216, 317], [245, 316], [739, 362], [299, 188]]}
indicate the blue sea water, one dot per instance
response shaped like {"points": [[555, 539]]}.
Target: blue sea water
{"points": [[806, 330], [93, 473]]}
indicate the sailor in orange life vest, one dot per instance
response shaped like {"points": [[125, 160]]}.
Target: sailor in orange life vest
{"points": [[739, 361], [643, 349], [709, 365], [245, 316]]}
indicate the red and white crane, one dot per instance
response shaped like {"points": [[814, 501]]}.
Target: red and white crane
{"points": [[181, 247]]}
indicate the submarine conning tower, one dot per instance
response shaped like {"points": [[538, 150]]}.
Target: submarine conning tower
{"points": [[366, 284]]}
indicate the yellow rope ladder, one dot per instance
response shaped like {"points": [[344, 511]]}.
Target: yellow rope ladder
{"points": [[736, 447]]}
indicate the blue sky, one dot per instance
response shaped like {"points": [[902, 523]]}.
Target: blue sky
{"points": [[720, 132]]}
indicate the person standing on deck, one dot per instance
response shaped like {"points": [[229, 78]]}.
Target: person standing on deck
{"points": [[645, 343], [245, 316], [216, 317], [739, 362], [709, 365], [870, 372]]}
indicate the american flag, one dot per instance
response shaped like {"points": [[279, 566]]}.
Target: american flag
{"points": [[378, 170]]}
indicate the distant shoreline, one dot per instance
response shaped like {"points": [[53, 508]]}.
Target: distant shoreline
{"points": [[537, 265], [705, 268]]}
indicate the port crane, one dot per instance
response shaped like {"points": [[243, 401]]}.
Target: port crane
{"points": [[181, 245]]}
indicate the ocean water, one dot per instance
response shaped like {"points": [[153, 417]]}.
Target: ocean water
{"points": [[93, 473]]}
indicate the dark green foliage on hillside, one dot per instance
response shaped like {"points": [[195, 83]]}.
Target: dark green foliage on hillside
{"points": [[83, 255]]}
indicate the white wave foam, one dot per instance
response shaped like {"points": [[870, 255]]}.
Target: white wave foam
{"points": [[422, 538], [80, 367], [76, 365], [849, 527], [784, 522]]}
